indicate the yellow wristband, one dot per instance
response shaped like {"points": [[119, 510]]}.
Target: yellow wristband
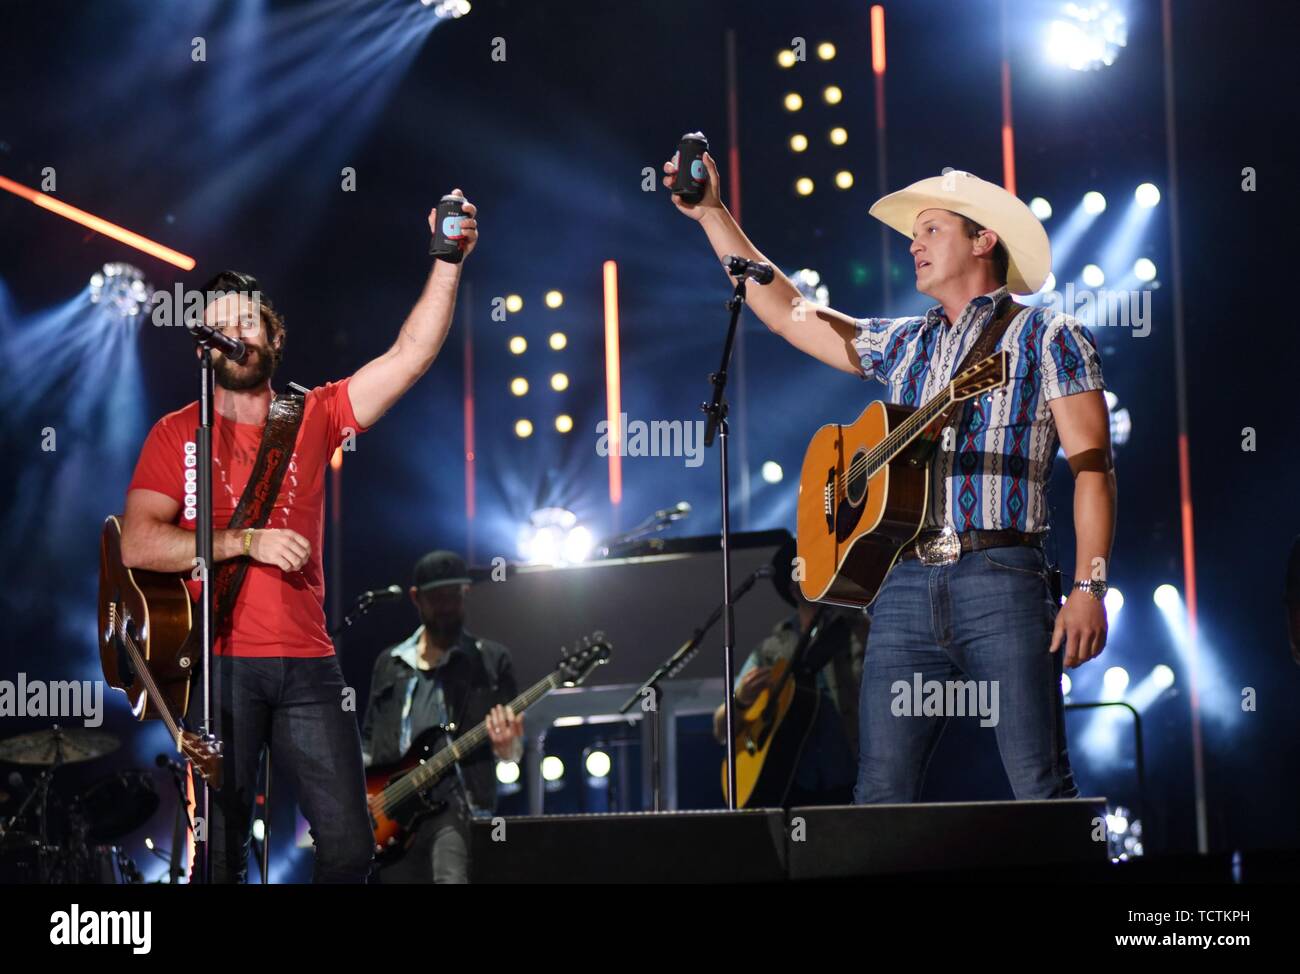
{"points": [[248, 542]]}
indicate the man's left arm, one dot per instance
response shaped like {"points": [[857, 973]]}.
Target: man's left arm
{"points": [[506, 728], [382, 381], [1083, 424]]}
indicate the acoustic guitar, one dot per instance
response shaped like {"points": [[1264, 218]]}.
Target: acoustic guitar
{"points": [[864, 487]]}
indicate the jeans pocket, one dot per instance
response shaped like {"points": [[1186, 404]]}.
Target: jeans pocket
{"points": [[1023, 559]]}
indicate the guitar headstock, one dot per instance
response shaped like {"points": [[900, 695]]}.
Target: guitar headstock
{"points": [[576, 665], [205, 754], [989, 373]]}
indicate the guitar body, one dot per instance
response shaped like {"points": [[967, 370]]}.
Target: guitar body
{"points": [[154, 609], [395, 816], [850, 531], [769, 743]]}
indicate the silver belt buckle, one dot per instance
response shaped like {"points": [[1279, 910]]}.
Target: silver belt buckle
{"points": [[945, 549]]}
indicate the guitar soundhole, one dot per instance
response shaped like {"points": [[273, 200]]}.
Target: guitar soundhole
{"points": [[855, 491]]}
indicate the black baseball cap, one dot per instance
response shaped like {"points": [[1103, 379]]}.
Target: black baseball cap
{"points": [[439, 568]]}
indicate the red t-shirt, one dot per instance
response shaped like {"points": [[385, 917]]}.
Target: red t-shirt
{"points": [[277, 613]]}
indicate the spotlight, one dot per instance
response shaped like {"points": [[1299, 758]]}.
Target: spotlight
{"points": [[553, 536], [832, 94], [121, 289], [1093, 276], [1086, 36], [1114, 682], [772, 472], [559, 382], [554, 299], [826, 51], [598, 764], [810, 285], [1163, 677], [803, 186], [1114, 601], [558, 340], [507, 772], [786, 58], [1065, 684], [523, 428], [577, 545], [839, 135], [1144, 269], [563, 423], [1040, 208], [552, 768], [519, 386], [1166, 598], [798, 142], [514, 303], [518, 345], [1049, 284], [844, 179], [1147, 195], [793, 102], [1093, 202], [448, 9]]}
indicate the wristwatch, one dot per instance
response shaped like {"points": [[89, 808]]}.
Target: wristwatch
{"points": [[1094, 587]]}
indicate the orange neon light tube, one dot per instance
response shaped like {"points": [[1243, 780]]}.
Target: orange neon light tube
{"points": [[878, 39], [613, 380], [89, 220]]}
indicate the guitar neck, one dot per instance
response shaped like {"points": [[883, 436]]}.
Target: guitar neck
{"points": [[934, 411]]}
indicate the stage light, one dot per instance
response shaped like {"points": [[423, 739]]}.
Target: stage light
{"points": [[1163, 676], [1114, 601], [259, 829], [803, 186], [507, 772], [826, 51], [1094, 203], [1114, 682], [1117, 821], [523, 428], [598, 764], [793, 102], [1049, 284], [1144, 269], [772, 472], [518, 344], [554, 299], [1147, 195], [832, 94], [1040, 208], [553, 536], [798, 142], [577, 545], [844, 179], [558, 340], [839, 135], [1166, 598], [552, 768], [559, 382], [1086, 36], [786, 58], [519, 386], [563, 423], [514, 303], [1092, 276], [809, 284], [121, 290], [448, 9], [1066, 684]]}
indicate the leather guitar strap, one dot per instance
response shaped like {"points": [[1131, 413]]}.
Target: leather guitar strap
{"points": [[985, 345], [258, 500]]}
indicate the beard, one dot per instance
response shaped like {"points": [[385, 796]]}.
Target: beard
{"points": [[257, 367], [445, 629]]}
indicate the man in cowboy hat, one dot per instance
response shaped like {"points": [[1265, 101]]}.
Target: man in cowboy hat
{"points": [[440, 675], [973, 599]]}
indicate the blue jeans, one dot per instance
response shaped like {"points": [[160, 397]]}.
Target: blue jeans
{"points": [[295, 706], [988, 618]]}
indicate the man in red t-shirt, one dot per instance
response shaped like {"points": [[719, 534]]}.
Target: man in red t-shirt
{"points": [[275, 678]]}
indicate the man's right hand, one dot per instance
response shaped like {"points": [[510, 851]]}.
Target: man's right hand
{"points": [[752, 684], [287, 550], [711, 199]]}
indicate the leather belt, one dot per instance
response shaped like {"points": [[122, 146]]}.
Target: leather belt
{"points": [[945, 548]]}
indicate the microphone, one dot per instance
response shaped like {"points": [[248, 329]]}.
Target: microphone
{"points": [[390, 594], [206, 335], [674, 513], [756, 270]]}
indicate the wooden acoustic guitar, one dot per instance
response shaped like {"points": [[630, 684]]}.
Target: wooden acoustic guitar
{"points": [[144, 626], [864, 488]]}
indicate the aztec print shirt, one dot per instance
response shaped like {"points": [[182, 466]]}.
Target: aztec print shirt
{"points": [[995, 476]]}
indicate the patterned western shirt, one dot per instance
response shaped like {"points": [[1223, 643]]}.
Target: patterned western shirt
{"points": [[995, 475]]}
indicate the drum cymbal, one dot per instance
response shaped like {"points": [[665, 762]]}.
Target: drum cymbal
{"points": [[65, 745]]}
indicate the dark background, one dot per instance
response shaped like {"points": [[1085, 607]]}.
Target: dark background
{"points": [[237, 162]]}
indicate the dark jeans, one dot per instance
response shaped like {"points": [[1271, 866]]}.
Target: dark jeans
{"points": [[989, 619], [296, 707], [439, 852]]}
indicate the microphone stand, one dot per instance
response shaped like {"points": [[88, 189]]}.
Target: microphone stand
{"points": [[360, 606], [716, 410]]}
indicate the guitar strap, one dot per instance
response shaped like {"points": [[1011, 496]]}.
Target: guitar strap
{"points": [[258, 500], [1000, 320]]}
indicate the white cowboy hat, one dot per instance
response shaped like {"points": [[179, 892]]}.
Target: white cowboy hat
{"points": [[987, 204]]}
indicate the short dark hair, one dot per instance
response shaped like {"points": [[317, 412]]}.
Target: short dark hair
{"points": [[237, 282], [1001, 258]]}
